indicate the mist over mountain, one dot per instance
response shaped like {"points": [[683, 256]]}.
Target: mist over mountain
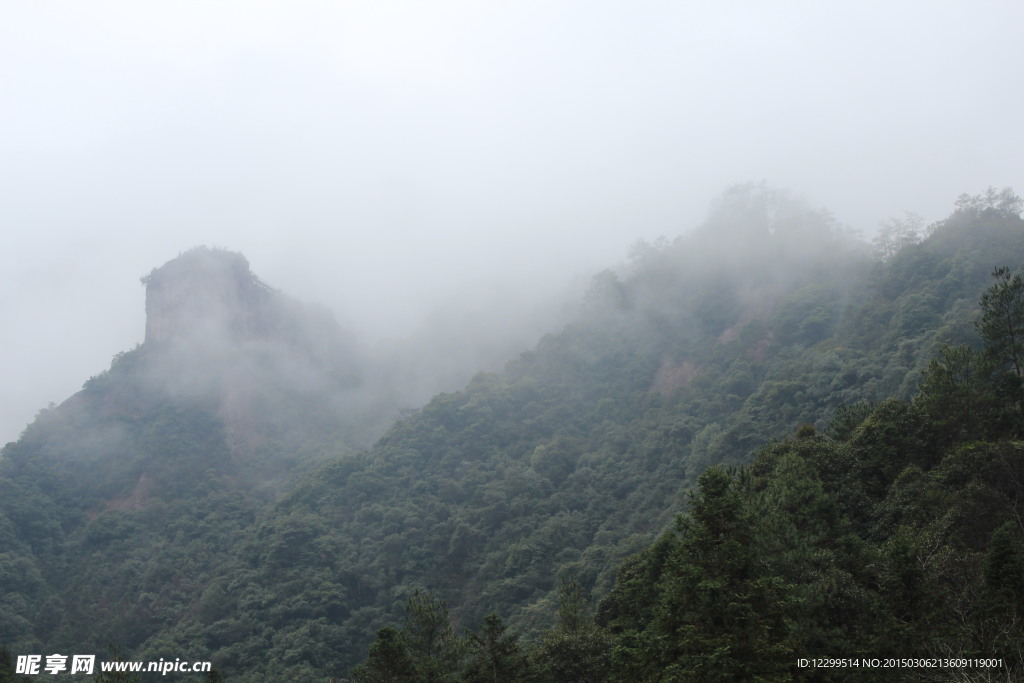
{"points": [[384, 159], [453, 361], [221, 492]]}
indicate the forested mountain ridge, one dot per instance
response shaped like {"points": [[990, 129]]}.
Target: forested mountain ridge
{"points": [[896, 537], [160, 463], [573, 458]]}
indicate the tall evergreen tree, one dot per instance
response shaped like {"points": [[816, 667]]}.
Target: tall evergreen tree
{"points": [[576, 649], [494, 655], [434, 648], [722, 614], [1003, 570], [7, 667], [1001, 326], [955, 394], [388, 660]]}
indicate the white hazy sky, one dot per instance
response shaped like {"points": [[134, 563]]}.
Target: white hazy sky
{"points": [[378, 155]]}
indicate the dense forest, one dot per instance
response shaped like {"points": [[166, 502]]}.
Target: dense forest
{"points": [[761, 442]]}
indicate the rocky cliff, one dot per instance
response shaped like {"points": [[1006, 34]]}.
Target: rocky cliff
{"points": [[204, 288], [214, 329]]}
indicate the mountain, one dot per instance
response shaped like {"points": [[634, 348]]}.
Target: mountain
{"points": [[159, 464], [205, 497], [582, 450]]}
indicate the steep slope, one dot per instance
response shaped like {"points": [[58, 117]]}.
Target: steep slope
{"points": [[575, 456], [580, 452], [119, 503], [898, 536]]}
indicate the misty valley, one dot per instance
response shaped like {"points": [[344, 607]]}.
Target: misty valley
{"points": [[762, 450]]}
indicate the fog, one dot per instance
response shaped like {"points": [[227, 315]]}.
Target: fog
{"points": [[387, 158]]}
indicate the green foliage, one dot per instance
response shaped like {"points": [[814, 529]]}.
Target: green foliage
{"points": [[388, 661], [576, 649], [903, 538], [847, 418], [494, 654], [807, 316], [7, 668], [1001, 326], [132, 515], [430, 641], [1003, 569], [573, 613], [717, 308], [427, 649], [1001, 202], [895, 234], [954, 394], [714, 607], [114, 654]]}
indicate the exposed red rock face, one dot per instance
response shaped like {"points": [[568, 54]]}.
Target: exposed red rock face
{"points": [[671, 376], [135, 500]]}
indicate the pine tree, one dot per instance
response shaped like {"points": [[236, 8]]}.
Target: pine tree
{"points": [[388, 660], [434, 648], [576, 649], [1003, 570], [7, 674], [955, 395], [494, 654], [722, 613], [1001, 327]]}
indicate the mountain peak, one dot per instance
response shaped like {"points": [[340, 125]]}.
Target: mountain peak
{"points": [[204, 289]]}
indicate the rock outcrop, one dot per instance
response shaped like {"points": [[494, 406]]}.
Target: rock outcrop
{"points": [[214, 330]]}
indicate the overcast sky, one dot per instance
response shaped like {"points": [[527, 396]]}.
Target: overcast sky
{"points": [[377, 155]]}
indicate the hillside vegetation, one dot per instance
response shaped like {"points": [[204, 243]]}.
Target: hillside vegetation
{"points": [[846, 422]]}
